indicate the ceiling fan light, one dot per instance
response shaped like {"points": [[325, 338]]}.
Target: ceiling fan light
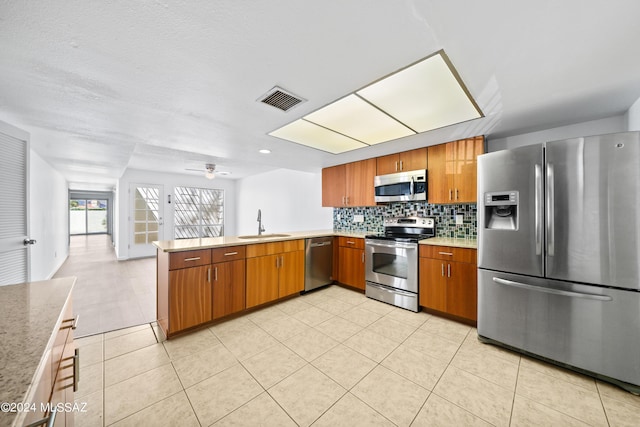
{"points": [[209, 174]]}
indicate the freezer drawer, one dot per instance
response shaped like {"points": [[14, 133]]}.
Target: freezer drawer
{"points": [[592, 328]]}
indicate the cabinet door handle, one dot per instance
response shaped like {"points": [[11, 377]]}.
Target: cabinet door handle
{"points": [[277, 262], [76, 369], [74, 323], [450, 196], [396, 166], [448, 270], [445, 253], [192, 259], [349, 242], [230, 253], [281, 261], [442, 270], [215, 274], [209, 274], [401, 165], [456, 194], [363, 257]]}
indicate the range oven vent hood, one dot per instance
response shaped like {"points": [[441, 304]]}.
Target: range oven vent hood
{"points": [[409, 186]]}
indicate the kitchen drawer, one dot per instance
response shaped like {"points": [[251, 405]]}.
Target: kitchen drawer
{"points": [[263, 249], [449, 253], [351, 242], [230, 253], [189, 259]]}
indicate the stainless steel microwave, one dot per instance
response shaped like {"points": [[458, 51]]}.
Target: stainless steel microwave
{"points": [[401, 187]]}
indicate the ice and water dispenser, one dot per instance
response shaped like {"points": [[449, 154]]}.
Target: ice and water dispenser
{"points": [[501, 210]]}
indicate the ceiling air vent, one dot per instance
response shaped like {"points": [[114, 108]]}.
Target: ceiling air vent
{"points": [[281, 99]]}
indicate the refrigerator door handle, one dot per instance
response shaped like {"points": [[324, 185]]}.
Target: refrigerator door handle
{"points": [[538, 208], [551, 291], [550, 211]]}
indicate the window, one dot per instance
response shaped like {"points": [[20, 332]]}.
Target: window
{"points": [[199, 212]]}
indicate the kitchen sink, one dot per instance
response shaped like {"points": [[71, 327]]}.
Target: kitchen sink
{"points": [[263, 236]]}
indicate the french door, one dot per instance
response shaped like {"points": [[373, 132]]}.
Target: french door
{"points": [[14, 209], [145, 219]]}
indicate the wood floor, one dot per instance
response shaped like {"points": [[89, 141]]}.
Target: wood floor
{"points": [[109, 294]]}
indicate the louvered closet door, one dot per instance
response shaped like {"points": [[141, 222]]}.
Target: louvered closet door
{"points": [[14, 254]]}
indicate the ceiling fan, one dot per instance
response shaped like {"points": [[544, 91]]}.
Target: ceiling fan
{"points": [[209, 171]]}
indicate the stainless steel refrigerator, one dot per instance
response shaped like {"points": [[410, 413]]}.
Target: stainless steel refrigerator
{"points": [[559, 253]]}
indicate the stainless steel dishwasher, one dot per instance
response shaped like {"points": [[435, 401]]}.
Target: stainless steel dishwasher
{"points": [[318, 262]]}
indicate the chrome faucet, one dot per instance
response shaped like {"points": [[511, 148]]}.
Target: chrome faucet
{"points": [[260, 226]]}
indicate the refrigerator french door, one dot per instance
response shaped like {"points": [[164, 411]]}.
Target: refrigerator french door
{"points": [[559, 253]]}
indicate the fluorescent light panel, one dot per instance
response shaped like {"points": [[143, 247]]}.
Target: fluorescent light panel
{"points": [[360, 120], [422, 97], [425, 96], [314, 136]]}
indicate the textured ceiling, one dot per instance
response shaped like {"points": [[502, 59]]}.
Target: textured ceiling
{"points": [[168, 85]]}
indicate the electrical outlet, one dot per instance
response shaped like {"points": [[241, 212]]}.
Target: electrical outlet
{"points": [[459, 219], [358, 218]]}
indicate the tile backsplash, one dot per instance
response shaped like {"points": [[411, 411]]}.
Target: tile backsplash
{"points": [[445, 216]]}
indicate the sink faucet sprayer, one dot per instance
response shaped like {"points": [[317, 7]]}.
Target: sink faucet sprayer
{"points": [[260, 226]]}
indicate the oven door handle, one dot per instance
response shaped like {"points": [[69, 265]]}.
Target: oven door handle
{"points": [[393, 246]]}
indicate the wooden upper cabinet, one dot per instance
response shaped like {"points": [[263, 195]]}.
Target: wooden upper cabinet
{"points": [[334, 186], [387, 164], [359, 183], [438, 180], [350, 184], [402, 162], [451, 171], [466, 165]]}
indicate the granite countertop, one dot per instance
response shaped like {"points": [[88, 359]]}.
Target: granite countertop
{"points": [[451, 241], [31, 313], [221, 242]]}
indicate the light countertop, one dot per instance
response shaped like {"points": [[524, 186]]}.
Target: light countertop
{"points": [[224, 241], [220, 242], [31, 313], [451, 241]]}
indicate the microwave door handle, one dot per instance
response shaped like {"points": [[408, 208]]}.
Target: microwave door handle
{"points": [[411, 190]]}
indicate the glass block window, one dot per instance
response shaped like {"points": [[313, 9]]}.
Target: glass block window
{"points": [[199, 212]]}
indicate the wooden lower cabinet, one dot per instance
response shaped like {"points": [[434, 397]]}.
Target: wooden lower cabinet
{"points": [[262, 280], [351, 262], [274, 270], [228, 288], [190, 297], [448, 281], [291, 274]]}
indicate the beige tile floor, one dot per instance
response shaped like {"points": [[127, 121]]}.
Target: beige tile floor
{"points": [[332, 358], [109, 294]]}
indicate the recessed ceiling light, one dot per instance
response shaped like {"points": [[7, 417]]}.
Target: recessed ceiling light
{"points": [[426, 95], [264, 151]]}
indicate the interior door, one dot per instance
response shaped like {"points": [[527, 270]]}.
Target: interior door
{"points": [[146, 219], [14, 210]]}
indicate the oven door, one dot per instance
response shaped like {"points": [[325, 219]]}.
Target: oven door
{"points": [[391, 263]]}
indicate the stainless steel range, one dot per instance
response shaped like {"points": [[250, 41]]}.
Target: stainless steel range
{"points": [[391, 261]]}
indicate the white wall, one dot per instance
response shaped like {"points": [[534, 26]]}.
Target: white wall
{"points": [[633, 116], [48, 218], [169, 182], [594, 127], [289, 200]]}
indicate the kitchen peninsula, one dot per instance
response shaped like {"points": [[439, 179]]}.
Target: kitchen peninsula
{"points": [[203, 280], [38, 361]]}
